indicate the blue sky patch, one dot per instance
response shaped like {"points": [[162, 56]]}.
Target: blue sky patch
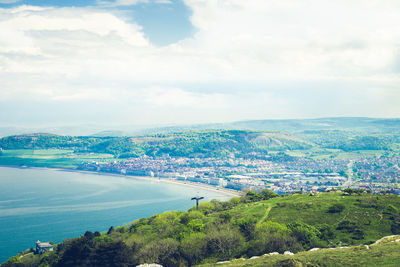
{"points": [[162, 23]]}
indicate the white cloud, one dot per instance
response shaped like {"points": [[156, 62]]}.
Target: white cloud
{"points": [[121, 2], [168, 2], [177, 97], [118, 3], [242, 55], [296, 38]]}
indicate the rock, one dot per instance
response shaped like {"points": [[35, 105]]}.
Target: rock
{"points": [[274, 253], [254, 257], [149, 265], [222, 262], [288, 253], [314, 249]]}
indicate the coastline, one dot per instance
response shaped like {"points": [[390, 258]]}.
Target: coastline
{"points": [[220, 190]]}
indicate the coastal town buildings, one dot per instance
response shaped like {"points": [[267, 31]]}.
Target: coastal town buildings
{"points": [[296, 174]]}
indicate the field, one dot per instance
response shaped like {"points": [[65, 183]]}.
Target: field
{"points": [[54, 158]]}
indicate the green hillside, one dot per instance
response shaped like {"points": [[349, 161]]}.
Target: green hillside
{"points": [[385, 253], [253, 225], [212, 143]]}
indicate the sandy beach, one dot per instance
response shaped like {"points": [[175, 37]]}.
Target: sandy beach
{"points": [[225, 191]]}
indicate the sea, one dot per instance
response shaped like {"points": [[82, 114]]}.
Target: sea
{"points": [[53, 205]]}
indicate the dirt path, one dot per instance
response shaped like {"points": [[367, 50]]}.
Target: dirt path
{"points": [[265, 215], [26, 255]]}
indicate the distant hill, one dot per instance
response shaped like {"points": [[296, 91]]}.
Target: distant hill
{"points": [[355, 124], [109, 134], [210, 143], [369, 125], [207, 143], [253, 225]]}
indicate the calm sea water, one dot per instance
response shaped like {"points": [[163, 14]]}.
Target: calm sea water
{"points": [[51, 205]]}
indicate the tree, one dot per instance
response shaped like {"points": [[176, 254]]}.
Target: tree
{"points": [[196, 225], [112, 254], [110, 230], [247, 225], [224, 241], [308, 235], [165, 252], [267, 194], [194, 248], [89, 235]]}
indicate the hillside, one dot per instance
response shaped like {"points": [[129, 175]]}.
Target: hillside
{"points": [[385, 253], [211, 143], [252, 225], [361, 125]]}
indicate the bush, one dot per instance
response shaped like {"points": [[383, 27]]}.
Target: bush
{"points": [[164, 252], [194, 248], [266, 242], [188, 216], [224, 241], [306, 234], [336, 208], [246, 225], [272, 228], [326, 232], [267, 194], [196, 225]]}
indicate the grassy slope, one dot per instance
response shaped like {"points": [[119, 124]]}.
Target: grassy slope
{"points": [[383, 254], [55, 158], [367, 211], [201, 143]]}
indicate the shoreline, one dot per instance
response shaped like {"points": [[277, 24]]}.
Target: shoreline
{"points": [[224, 191]]}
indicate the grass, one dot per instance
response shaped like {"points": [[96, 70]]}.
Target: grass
{"points": [[367, 211], [384, 254], [318, 153], [55, 158]]}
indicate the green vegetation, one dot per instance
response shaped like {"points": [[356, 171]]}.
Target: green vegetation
{"points": [[383, 254], [55, 158], [69, 151], [218, 143], [252, 225]]}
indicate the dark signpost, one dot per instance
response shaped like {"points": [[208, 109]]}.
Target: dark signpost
{"points": [[197, 201]]}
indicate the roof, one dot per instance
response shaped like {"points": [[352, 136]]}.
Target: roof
{"points": [[44, 244]]}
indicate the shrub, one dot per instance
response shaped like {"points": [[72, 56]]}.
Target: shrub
{"points": [[306, 234], [194, 248], [224, 241], [336, 208], [246, 225], [163, 251]]}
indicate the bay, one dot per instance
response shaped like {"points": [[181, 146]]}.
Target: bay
{"points": [[52, 205]]}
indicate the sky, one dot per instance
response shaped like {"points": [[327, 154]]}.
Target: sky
{"points": [[162, 62]]}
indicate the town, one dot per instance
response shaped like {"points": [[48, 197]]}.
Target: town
{"points": [[282, 174]]}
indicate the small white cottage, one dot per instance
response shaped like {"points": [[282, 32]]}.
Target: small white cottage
{"points": [[43, 247]]}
